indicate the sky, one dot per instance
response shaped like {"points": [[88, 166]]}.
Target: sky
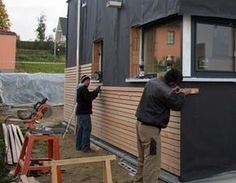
{"points": [[23, 15]]}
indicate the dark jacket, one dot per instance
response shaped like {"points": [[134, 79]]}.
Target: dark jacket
{"points": [[84, 100], [155, 104]]}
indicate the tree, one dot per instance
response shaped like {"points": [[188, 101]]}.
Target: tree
{"points": [[4, 20], [41, 27]]}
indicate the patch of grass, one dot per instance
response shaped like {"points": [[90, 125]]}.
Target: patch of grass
{"points": [[23, 55], [40, 67]]}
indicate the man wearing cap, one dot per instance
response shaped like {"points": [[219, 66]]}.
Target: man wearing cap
{"points": [[84, 100]]}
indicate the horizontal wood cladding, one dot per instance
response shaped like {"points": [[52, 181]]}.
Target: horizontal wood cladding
{"points": [[69, 94], [114, 118], [70, 90], [114, 121], [85, 70]]}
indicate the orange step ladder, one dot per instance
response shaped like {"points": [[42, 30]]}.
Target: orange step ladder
{"points": [[24, 165]]}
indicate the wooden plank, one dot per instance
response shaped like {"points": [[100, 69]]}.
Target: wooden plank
{"points": [[116, 131], [22, 139], [125, 89], [172, 130], [175, 119], [85, 65], [7, 144], [136, 94], [54, 174], [121, 128], [171, 141], [68, 69], [107, 103], [128, 146], [32, 180], [107, 177], [13, 145], [24, 179], [175, 113], [193, 91], [171, 161], [171, 147], [170, 152], [114, 107], [169, 135], [74, 161], [17, 141], [85, 70], [121, 139], [123, 97], [170, 169], [120, 101], [120, 118], [114, 113]]}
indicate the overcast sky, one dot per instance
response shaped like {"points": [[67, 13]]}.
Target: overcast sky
{"points": [[23, 15]]}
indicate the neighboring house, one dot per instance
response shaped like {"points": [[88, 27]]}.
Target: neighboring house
{"points": [[7, 51], [61, 31], [129, 44]]}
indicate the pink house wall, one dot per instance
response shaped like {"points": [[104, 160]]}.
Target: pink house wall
{"points": [[7, 51]]}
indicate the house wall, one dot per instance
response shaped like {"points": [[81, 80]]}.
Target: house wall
{"points": [[7, 52], [193, 146]]}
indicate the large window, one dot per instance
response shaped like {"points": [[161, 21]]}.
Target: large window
{"points": [[161, 47], [155, 49], [215, 47]]}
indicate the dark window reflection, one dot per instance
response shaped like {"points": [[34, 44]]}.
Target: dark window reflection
{"points": [[215, 48]]}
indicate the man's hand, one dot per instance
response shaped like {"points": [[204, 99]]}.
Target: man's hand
{"points": [[185, 91], [98, 89]]}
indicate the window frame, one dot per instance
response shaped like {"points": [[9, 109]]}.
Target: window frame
{"points": [[170, 34], [208, 73], [98, 44]]}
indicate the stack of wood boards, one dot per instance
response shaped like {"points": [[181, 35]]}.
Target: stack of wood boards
{"points": [[14, 140]]}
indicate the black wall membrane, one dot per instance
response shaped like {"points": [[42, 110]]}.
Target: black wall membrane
{"points": [[113, 25], [208, 138], [209, 8], [71, 33]]}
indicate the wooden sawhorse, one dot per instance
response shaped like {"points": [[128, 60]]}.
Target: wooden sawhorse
{"points": [[24, 165], [107, 176]]}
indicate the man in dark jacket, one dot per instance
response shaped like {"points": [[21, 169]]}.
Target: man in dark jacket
{"points": [[153, 112], [84, 109]]}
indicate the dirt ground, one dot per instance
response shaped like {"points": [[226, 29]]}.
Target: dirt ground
{"points": [[86, 173]]}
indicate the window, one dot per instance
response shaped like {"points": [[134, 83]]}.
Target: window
{"points": [[154, 49], [215, 47], [157, 55], [170, 37], [97, 62]]}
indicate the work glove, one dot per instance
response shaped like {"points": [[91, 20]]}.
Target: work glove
{"points": [[98, 89]]}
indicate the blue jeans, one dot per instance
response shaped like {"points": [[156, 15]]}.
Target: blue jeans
{"points": [[84, 128]]}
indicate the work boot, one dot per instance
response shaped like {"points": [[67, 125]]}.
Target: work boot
{"points": [[89, 150]]}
